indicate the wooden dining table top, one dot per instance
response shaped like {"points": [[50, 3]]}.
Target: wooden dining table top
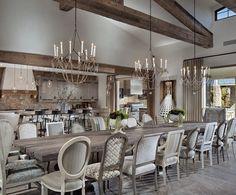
{"points": [[46, 149]]}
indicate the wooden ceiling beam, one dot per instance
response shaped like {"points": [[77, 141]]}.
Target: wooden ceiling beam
{"points": [[45, 61], [184, 16], [230, 4], [121, 13]]}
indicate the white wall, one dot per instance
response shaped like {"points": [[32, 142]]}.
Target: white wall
{"points": [[33, 26]]}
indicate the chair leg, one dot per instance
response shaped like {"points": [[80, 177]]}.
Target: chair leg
{"points": [[100, 187], [227, 152], [44, 190], [155, 176], [164, 175], [134, 184], [233, 148], [186, 165], [121, 184], [223, 155], [178, 174], [202, 159], [210, 155], [83, 190]]}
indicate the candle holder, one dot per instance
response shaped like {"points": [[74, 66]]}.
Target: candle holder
{"points": [[78, 63]]}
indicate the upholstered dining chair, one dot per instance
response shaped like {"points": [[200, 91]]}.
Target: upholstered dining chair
{"points": [[112, 162], [229, 136], [77, 128], [73, 158], [13, 118], [219, 139], [169, 154], [143, 160], [18, 172], [97, 123], [54, 128], [147, 120], [27, 130], [205, 142], [187, 150]]}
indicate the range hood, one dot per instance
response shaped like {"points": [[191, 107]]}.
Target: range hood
{"points": [[17, 81]]}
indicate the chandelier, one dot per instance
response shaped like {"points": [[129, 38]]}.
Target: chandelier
{"points": [[192, 76], [77, 58], [149, 70]]}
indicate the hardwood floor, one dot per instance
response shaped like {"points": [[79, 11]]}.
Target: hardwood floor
{"points": [[217, 180]]}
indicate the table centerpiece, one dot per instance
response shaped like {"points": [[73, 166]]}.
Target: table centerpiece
{"points": [[177, 116]]}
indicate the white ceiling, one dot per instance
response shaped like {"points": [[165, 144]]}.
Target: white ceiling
{"points": [[157, 39]]}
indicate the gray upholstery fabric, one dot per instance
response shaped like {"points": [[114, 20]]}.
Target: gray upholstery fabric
{"points": [[20, 164], [214, 115], [26, 174], [54, 180]]}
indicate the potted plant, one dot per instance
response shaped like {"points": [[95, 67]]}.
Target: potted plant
{"points": [[115, 119], [177, 115]]}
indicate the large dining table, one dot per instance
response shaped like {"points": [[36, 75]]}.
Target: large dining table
{"points": [[46, 149]]}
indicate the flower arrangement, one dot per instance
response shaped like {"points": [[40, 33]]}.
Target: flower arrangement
{"points": [[119, 114], [177, 115]]}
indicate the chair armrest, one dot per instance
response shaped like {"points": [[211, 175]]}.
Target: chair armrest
{"points": [[20, 164], [130, 149]]}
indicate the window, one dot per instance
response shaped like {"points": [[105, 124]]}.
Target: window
{"points": [[223, 13]]}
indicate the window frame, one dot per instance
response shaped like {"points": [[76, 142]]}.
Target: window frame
{"points": [[218, 10]]}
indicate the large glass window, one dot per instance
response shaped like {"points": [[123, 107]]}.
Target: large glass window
{"points": [[221, 93], [223, 13]]}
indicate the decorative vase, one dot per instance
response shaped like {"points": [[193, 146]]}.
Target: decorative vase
{"points": [[177, 119]]}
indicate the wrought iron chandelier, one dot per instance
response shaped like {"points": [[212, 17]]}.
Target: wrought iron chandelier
{"points": [[149, 70], [77, 59], [190, 76]]}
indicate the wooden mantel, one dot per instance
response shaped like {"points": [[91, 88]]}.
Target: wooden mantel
{"points": [[121, 13]]}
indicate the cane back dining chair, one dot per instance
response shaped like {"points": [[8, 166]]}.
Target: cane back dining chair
{"points": [[143, 160], [18, 172], [112, 162], [205, 142], [169, 154], [73, 158]]}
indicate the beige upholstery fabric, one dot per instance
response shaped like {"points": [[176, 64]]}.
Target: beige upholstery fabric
{"points": [[128, 166], [169, 155], [72, 161], [92, 171], [54, 128], [12, 118], [54, 181], [27, 130], [77, 128]]}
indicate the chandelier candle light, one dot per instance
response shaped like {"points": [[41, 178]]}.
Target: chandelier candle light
{"points": [[84, 63], [143, 71]]}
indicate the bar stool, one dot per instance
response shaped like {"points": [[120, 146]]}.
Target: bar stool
{"points": [[38, 119], [56, 116]]}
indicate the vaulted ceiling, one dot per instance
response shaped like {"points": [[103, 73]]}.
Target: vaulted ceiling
{"points": [[172, 21]]}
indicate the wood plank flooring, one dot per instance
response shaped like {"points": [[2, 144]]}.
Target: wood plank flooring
{"points": [[215, 180]]}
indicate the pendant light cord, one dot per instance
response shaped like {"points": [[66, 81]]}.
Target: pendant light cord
{"points": [[150, 26], [194, 29]]}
